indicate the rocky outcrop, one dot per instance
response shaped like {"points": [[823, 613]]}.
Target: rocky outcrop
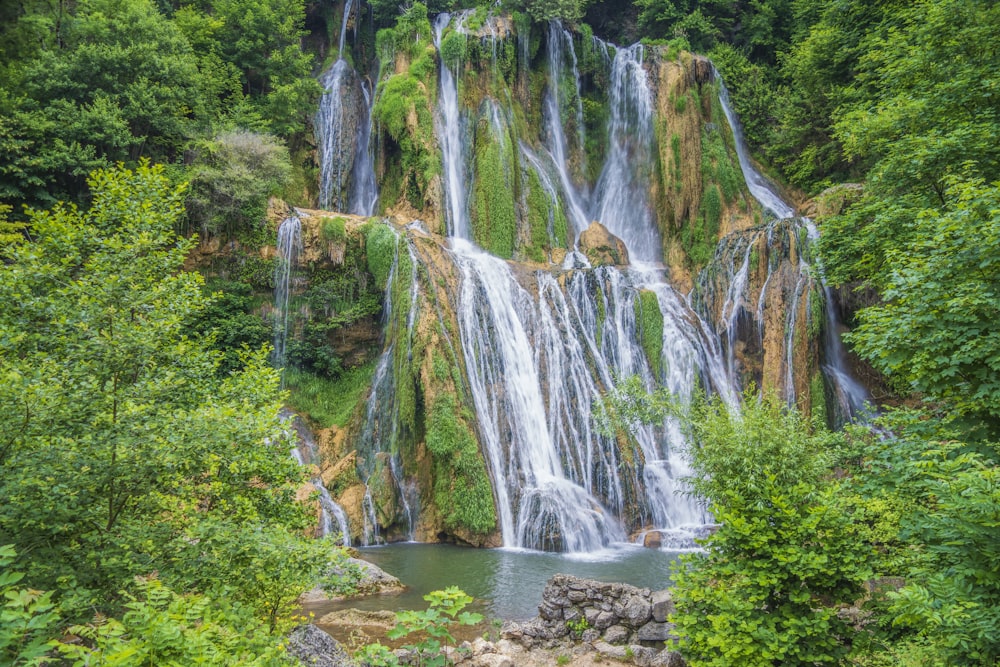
{"points": [[371, 580], [607, 615], [602, 247]]}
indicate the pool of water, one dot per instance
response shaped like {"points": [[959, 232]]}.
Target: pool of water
{"points": [[507, 583]]}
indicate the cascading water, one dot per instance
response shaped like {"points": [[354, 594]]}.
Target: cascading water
{"points": [[449, 126], [852, 398], [621, 196], [289, 251], [344, 136], [378, 453], [559, 44], [330, 511]]}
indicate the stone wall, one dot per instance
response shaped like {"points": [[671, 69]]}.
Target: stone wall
{"points": [[611, 616]]}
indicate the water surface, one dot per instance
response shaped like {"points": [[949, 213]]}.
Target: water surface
{"points": [[507, 583]]}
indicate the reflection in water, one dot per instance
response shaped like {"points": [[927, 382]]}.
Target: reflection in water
{"points": [[507, 583]]}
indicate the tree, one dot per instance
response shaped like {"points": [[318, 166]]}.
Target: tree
{"points": [[783, 558], [937, 332], [120, 444]]}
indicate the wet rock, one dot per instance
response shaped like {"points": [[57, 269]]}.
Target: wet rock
{"points": [[663, 605], [652, 540], [601, 247], [313, 647]]}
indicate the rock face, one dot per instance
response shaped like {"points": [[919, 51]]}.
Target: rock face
{"points": [[602, 247], [622, 614], [313, 647]]}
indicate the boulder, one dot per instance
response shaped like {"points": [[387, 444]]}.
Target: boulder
{"points": [[652, 540], [601, 247], [655, 632], [616, 634], [663, 605], [313, 647]]}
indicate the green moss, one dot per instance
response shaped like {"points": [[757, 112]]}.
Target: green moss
{"points": [[650, 322], [462, 488], [494, 224], [718, 166], [675, 46], [712, 205], [334, 230], [817, 395], [680, 103], [380, 250], [453, 48]]}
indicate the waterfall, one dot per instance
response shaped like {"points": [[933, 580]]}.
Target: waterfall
{"points": [[378, 444], [761, 188], [343, 131], [305, 453], [559, 42], [621, 195], [852, 398], [289, 250], [449, 126], [364, 191]]}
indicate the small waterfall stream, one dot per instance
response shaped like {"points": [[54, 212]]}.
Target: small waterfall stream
{"points": [[452, 145], [289, 251], [306, 454], [343, 132], [852, 398]]}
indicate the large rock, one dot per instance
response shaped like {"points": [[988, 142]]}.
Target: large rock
{"points": [[373, 580], [601, 247], [655, 632], [663, 605], [313, 647]]}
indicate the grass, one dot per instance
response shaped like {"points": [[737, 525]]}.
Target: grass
{"points": [[328, 402]]}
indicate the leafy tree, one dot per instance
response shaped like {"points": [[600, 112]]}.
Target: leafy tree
{"points": [[936, 331], [767, 589], [120, 444], [231, 178]]}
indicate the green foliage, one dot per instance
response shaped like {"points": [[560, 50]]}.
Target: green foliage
{"points": [[28, 618], [160, 627], [380, 249], [228, 323], [784, 556], [231, 178], [123, 441], [548, 10], [495, 220], [453, 49], [462, 488], [934, 332], [328, 402], [333, 230], [650, 322], [444, 611], [94, 83], [405, 96], [577, 627]]}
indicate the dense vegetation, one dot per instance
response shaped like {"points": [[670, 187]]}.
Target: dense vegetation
{"points": [[144, 472], [133, 473]]}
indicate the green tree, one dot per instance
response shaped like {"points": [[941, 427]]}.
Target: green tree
{"points": [[231, 178], [936, 332], [120, 444]]}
